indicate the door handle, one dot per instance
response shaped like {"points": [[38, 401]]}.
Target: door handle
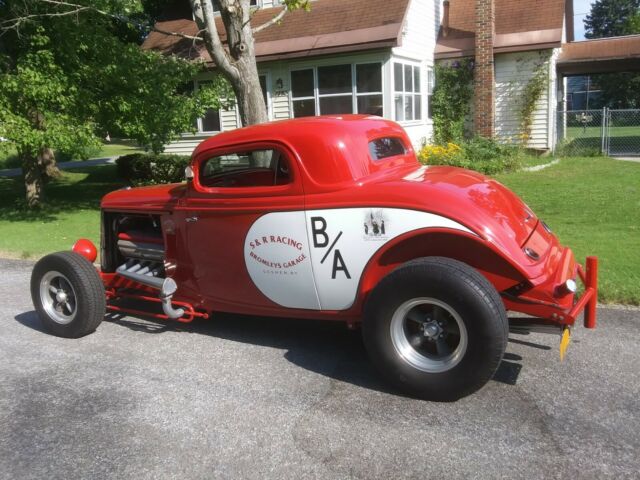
{"points": [[192, 219]]}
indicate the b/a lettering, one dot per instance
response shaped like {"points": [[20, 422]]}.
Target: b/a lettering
{"points": [[321, 239]]}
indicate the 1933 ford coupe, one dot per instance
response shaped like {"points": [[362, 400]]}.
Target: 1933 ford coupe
{"points": [[330, 218]]}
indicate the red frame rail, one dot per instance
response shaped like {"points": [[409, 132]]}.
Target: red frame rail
{"points": [[189, 312], [589, 299]]}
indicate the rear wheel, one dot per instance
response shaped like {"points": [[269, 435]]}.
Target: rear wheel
{"points": [[68, 294], [436, 328]]}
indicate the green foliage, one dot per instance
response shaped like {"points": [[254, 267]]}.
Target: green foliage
{"points": [[150, 169], [298, 4], [578, 147], [451, 100], [478, 153], [612, 18], [619, 90], [67, 81]]}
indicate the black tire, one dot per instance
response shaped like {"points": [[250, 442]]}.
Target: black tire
{"points": [[461, 294], [79, 305]]}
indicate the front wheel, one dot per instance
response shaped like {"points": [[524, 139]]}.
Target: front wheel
{"points": [[436, 328], [68, 294]]}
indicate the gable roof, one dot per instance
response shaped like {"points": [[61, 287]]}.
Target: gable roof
{"points": [[519, 25], [330, 26]]}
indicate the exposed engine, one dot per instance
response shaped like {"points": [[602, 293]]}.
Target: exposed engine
{"points": [[133, 247], [135, 241]]}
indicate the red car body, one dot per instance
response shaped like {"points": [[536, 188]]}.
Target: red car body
{"points": [[251, 248]]}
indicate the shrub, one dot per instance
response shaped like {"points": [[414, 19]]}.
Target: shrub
{"points": [[481, 154], [151, 169], [579, 147], [80, 153], [451, 100], [449, 154]]}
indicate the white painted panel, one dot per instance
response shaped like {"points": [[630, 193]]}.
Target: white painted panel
{"points": [[276, 253], [315, 260], [513, 71], [342, 242]]}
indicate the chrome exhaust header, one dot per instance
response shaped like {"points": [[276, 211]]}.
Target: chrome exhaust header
{"points": [[146, 275]]}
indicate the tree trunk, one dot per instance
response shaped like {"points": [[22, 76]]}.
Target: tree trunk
{"points": [[33, 182], [37, 170], [249, 96], [237, 59], [47, 162]]}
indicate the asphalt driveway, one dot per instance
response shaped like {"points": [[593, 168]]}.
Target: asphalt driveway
{"points": [[238, 397]]}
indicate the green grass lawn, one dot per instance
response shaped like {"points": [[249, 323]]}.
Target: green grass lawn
{"points": [[593, 205], [576, 132], [72, 212], [622, 141], [121, 147]]}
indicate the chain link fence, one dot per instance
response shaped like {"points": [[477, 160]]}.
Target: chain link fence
{"points": [[598, 132], [622, 132]]}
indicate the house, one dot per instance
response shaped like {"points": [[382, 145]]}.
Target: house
{"points": [[377, 57]]}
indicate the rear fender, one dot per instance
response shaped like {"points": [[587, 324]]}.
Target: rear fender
{"points": [[467, 248]]}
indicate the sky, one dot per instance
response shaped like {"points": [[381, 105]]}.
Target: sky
{"points": [[580, 10]]}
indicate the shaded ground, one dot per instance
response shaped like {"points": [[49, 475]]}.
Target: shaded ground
{"points": [[238, 397]]}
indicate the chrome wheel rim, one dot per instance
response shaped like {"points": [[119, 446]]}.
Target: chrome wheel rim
{"points": [[428, 334], [58, 297]]}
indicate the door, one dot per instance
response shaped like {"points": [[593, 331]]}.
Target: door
{"points": [[245, 230]]}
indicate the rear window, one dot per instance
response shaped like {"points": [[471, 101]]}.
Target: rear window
{"points": [[386, 147]]}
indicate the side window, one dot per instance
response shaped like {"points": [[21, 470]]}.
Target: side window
{"points": [[253, 168], [386, 147]]}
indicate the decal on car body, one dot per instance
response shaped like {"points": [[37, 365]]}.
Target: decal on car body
{"points": [[314, 259]]}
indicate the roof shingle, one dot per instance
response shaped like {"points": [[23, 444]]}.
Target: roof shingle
{"points": [[330, 24], [520, 24]]}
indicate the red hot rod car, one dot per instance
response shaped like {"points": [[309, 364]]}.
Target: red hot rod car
{"points": [[330, 218]]}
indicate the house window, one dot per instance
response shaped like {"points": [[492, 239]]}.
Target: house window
{"points": [[336, 89], [210, 122], [369, 88], [407, 96], [431, 83]]}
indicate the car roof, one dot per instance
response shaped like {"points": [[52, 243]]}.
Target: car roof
{"points": [[331, 149]]}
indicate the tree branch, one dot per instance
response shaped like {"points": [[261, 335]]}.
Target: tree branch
{"points": [[205, 18], [273, 21], [195, 38]]}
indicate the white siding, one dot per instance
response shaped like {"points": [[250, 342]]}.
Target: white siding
{"points": [[512, 73], [229, 119], [418, 42], [279, 96], [185, 145], [556, 95]]}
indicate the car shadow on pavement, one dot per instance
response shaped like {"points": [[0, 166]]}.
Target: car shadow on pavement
{"points": [[326, 348], [31, 320]]}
